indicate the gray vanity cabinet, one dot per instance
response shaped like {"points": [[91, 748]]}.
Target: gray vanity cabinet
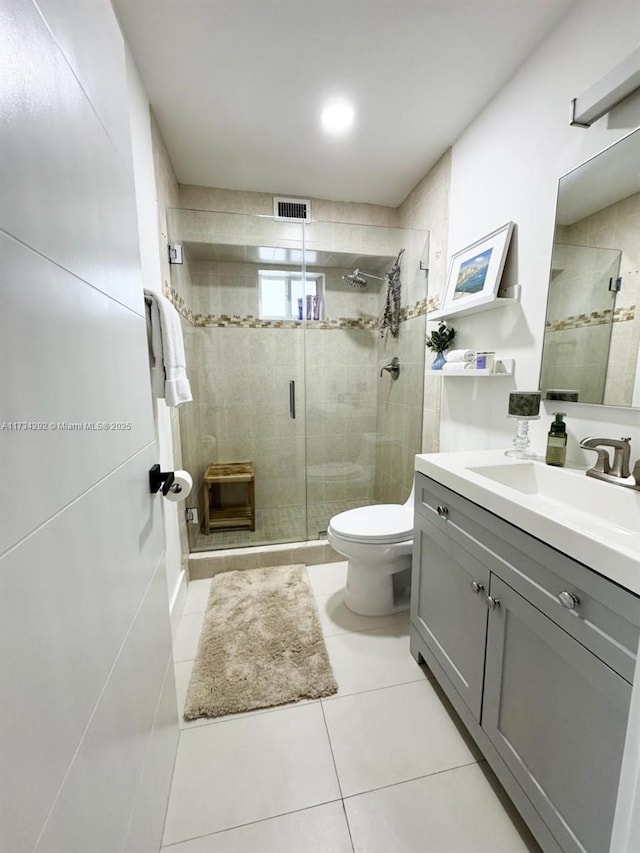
{"points": [[557, 716], [450, 609], [536, 653]]}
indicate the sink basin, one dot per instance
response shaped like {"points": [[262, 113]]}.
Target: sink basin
{"points": [[595, 522], [609, 504]]}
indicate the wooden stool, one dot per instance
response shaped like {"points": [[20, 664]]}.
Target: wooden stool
{"points": [[218, 515]]}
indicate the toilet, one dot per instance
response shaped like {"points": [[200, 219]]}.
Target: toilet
{"points": [[378, 542]]}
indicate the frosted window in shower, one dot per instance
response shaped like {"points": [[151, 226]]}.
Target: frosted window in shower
{"points": [[284, 295]]}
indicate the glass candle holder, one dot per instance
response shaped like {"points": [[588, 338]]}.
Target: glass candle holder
{"points": [[521, 441], [524, 406]]}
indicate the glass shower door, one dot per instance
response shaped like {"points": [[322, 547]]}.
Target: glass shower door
{"points": [[237, 287]]}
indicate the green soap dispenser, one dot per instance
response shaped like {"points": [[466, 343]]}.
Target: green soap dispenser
{"points": [[557, 441]]}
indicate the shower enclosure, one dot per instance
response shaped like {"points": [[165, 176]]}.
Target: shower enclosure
{"points": [[285, 362]]}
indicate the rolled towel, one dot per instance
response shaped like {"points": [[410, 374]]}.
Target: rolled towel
{"points": [[457, 366], [456, 355]]}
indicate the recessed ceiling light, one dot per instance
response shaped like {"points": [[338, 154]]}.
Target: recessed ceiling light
{"points": [[337, 117]]}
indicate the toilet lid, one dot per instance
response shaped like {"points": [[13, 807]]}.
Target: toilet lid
{"points": [[384, 523]]}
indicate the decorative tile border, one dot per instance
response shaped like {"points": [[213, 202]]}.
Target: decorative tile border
{"points": [[248, 321], [595, 318], [408, 312], [623, 315], [433, 303], [178, 303]]}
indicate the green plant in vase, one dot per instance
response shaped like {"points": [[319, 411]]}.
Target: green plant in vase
{"points": [[439, 341]]}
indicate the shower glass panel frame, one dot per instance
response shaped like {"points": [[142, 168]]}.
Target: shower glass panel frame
{"points": [[355, 432]]}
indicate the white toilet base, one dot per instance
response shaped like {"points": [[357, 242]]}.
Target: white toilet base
{"points": [[370, 592]]}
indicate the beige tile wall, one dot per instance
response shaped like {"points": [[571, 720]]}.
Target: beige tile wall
{"points": [[578, 281], [409, 409], [399, 411], [617, 227], [341, 414], [235, 201], [576, 356], [231, 289], [241, 229], [167, 189]]}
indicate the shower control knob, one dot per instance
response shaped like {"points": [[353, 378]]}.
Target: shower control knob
{"points": [[442, 511], [477, 587], [568, 600]]}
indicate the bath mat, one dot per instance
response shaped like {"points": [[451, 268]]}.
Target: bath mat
{"points": [[261, 644]]}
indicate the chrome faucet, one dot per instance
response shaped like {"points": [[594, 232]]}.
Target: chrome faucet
{"points": [[619, 471]]}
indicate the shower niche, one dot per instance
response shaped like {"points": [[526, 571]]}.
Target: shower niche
{"points": [[284, 357]]}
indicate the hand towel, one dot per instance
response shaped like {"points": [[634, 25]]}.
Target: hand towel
{"points": [[456, 355], [457, 366], [168, 362]]}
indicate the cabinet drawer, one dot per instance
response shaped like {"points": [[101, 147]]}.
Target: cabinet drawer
{"points": [[606, 618]]}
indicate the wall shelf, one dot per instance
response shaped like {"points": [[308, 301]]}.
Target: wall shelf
{"points": [[503, 367], [508, 296]]}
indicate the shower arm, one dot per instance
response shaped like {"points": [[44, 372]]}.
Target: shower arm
{"points": [[358, 272]]}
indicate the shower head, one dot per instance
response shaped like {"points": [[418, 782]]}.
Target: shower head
{"points": [[358, 278], [355, 279]]}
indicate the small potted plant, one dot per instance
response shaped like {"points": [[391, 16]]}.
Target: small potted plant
{"points": [[439, 341]]}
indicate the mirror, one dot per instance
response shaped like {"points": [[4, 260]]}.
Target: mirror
{"points": [[591, 351]]}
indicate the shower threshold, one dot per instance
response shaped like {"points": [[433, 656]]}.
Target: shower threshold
{"points": [[206, 564]]}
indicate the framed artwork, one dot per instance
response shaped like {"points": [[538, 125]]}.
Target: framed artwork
{"points": [[475, 272]]}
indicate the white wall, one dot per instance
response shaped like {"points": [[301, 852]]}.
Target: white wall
{"points": [[147, 208], [506, 167], [89, 731]]}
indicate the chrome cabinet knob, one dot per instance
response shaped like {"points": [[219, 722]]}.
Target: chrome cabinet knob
{"points": [[477, 587], [442, 511], [568, 600], [492, 603]]}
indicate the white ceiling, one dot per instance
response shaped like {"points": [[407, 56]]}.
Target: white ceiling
{"points": [[237, 85]]}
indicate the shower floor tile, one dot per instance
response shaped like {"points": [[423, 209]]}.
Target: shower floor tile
{"points": [[276, 525]]}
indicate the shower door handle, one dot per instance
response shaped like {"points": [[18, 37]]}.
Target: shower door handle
{"points": [[292, 398]]}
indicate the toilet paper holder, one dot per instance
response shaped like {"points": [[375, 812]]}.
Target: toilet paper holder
{"points": [[164, 479]]}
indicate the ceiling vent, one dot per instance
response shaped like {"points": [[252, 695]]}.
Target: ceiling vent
{"points": [[293, 209]]}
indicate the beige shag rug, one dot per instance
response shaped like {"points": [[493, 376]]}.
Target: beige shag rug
{"points": [[261, 644]]}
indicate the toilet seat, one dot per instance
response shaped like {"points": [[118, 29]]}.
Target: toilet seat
{"points": [[381, 524]]}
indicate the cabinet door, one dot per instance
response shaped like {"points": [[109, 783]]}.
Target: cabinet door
{"points": [[449, 615], [557, 715]]}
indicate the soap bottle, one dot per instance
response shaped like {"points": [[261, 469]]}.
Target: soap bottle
{"points": [[557, 441]]}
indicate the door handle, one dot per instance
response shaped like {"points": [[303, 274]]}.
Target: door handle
{"points": [[292, 398]]}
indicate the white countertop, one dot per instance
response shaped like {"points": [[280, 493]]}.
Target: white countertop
{"points": [[594, 522]]}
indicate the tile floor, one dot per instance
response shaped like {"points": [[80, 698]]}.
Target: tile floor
{"points": [[383, 767]]}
